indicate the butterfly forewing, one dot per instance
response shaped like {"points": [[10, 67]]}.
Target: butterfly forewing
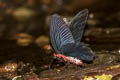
{"points": [[59, 32], [53, 35]]}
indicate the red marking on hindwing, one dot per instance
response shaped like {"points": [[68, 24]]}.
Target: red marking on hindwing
{"points": [[69, 59]]}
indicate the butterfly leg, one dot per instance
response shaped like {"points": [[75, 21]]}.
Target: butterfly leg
{"points": [[56, 63], [51, 63]]}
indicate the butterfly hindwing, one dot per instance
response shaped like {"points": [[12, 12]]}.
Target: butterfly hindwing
{"points": [[77, 25]]}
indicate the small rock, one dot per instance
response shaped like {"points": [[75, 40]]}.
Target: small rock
{"points": [[24, 39], [42, 41], [105, 58], [22, 13]]}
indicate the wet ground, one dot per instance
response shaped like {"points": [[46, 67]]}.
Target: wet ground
{"points": [[33, 61]]}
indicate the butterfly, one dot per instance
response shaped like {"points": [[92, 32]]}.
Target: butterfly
{"points": [[66, 39]]}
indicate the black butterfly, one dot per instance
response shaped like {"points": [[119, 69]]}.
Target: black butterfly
{"points": [[65, 39]]}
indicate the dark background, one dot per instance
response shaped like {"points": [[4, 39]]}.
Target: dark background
{"points": [[31, 16]]}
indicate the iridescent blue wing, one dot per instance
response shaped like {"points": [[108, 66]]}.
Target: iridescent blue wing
{"points": [[79, 52], [77, 25], [60, 34]]}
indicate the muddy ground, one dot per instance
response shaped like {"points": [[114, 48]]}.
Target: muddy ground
{"points": [[32, 62]]}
